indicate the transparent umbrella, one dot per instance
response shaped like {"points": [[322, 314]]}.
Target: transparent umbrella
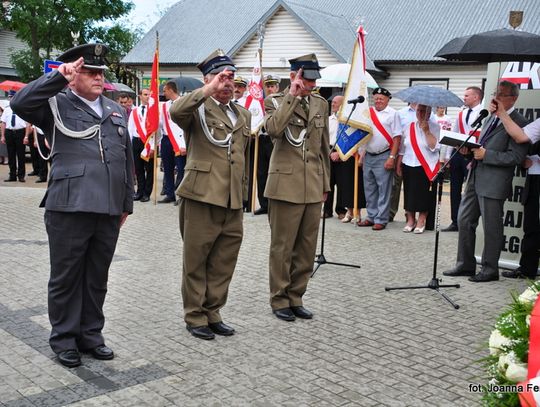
{"points": [[338, 74], [429, 96]]}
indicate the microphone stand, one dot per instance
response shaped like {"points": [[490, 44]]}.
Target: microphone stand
{"points": [[319, 258], [434, 282]]}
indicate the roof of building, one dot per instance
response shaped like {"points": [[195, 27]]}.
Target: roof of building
{"points": [[397, 31]]}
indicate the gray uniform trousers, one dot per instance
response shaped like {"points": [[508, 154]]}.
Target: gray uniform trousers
{"points": [[377, 187], [471, 208], [81, 247]]}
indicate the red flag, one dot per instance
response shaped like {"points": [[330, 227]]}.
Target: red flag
{"points": [[152, 116]]}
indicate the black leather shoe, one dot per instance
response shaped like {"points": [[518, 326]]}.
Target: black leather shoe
{"points": [[484, 277], [451, 228], [137, 197], [219, 328], [301, 312], [516, 274], [167, 200], [459, 273], [145, 198], [201, 332], [21, 179], [285, 314], [162, 192], [100, 352], [70, 358], [10, 180], [32, 174], [40, 179], [260, 211]]}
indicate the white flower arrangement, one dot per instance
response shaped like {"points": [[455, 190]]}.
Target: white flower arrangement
{"points": [[508, 343]]}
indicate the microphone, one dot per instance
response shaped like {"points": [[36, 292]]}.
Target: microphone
{"points": [[481, 116], [359, 99]]}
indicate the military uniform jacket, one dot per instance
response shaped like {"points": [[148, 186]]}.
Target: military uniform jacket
{"points": [[298, 174], [213, 174], [493, 175], [79, 180]]}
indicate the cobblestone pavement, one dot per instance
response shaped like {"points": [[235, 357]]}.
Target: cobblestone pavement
{"points": [[365, 346]]}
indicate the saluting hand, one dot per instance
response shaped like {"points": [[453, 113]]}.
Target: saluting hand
{"points": [[219, 82], [70, 69], [297, 85]]}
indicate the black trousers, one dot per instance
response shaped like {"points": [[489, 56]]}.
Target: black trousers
{"points": [[458, 174], [144, 170], [342, 176], [265, 152], [81, 247], [16, 150], [34, 155], [530, 245], [43, 166]]}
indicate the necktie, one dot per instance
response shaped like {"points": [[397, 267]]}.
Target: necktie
{"points": [[225, 109], [468, 115], [305, 105], [13, 121], [142, 109], [492, 127]]}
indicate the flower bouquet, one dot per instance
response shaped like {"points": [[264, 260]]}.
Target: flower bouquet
{"points": [[507, 364]]}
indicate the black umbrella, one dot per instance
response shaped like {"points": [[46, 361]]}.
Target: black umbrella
{"points": [[493, 46], [185, 84]]}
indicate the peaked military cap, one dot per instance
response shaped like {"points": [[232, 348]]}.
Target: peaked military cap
{"points": [[238, 80], [309, 64], [93, 54], [216, 62], [382, 91], [272, 80]]}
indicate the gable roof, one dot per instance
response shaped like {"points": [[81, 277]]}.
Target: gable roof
{"points": [[398, 31]]}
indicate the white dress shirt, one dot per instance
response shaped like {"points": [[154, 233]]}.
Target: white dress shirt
{"points": [[430, 154]]}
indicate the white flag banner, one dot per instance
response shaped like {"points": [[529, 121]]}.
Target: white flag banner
{"points": [[254, 101], [359, 127]]}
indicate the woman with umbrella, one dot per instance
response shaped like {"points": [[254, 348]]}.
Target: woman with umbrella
{"points": [[418, 163]]}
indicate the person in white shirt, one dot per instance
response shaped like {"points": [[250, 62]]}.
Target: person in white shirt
{"points": [[173, 146], [144, 170], [407, 115], [418, 163], [13, 132], [472, 99], [379, 160]]}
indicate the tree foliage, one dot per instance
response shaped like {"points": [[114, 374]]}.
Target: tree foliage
{"points": [[47, 27]]}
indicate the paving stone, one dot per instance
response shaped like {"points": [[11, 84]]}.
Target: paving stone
{"points": [[364, 347]]}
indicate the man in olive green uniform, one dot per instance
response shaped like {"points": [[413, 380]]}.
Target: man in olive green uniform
{"points": [[298, 181], [217, 134]]}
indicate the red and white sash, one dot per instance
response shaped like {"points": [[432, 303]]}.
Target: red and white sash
{"points": [[462, 126], [141, 131], [178, 145], [380, 127], [430, 172]]}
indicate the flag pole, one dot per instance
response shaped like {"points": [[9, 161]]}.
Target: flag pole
{"points": [[154, 134], [356, 212], [260, 32]]}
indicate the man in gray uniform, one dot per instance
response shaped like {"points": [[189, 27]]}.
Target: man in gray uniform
{"points": [[89, 196]]}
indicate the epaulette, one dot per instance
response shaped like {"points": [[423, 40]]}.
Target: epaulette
{"points": [[319, 96], [273, 95], [238, 105]]}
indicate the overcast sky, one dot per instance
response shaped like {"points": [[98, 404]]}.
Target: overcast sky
{"points": [[147, 12]]}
